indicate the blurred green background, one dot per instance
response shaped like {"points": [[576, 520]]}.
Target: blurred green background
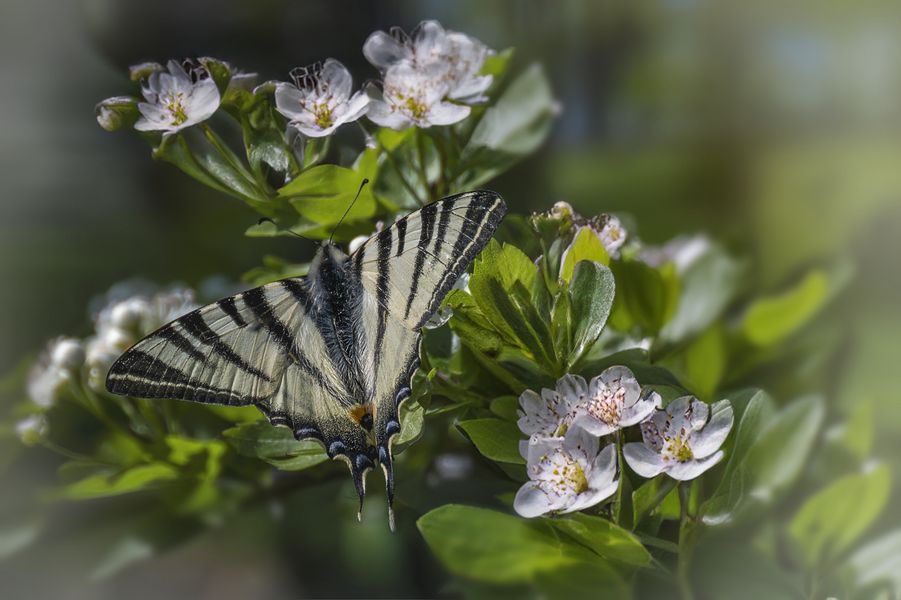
{"points": [[774, 127]]}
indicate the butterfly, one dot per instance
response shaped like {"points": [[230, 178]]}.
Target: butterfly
{"points": [[330, 355]]}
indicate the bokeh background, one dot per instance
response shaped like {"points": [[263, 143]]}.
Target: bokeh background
{"points": [[775, 127]]}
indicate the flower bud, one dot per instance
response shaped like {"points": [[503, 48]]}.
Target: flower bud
{"points": [[32, 429]]}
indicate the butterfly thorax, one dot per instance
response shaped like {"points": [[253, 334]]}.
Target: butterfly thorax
{"points": [[335, 296]]}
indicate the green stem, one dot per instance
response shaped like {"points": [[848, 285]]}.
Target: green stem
{"points": [[422, 170], [686, 536], [393, 160]]}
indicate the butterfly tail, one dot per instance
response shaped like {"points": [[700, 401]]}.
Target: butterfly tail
{"points": [[360, 465], [388, 468]]}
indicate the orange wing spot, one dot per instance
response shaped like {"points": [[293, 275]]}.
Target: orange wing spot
{"points": [[362, 415]]}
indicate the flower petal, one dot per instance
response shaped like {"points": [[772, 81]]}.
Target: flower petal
{"points": [[289, 101], [621, 377], [447, 113], [603, 468], [336, 76], [592, 497], [531, 502], [572, 389], [683, 471], [643, 460], [581, 445], [382, 50], [640, 411], [593, 426], [706, 441], [382, 115], [429, 41]]}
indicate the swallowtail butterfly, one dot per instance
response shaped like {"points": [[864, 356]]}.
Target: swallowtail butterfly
{"points": [[330, 355]]}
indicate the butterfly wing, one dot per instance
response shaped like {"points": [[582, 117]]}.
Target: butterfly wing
{"points": [[261, 347], [406, 270]]}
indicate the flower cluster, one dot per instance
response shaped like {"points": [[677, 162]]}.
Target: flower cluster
{"points": [[430, 77], [567, 467]]}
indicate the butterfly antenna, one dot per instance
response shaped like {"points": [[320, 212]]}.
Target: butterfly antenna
{"points": [[354, 201], [294, 233]]}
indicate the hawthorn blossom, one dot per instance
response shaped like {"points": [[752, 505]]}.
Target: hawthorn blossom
{"points": [[32, 429], [62, 358], [124, 322], [319, 100], [566, 475], [177, 98], [551, 413], [682, 441], [614, 401], [682, 251], [453, 57], [413, 95]]}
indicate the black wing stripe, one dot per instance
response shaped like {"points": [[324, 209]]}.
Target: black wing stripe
{"points": [[197, 327], [427, 216], [401, 225], [442, 224], [384, 275], [228, 307], [171, 335]]}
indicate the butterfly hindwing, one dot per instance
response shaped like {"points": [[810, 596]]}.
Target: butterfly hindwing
{"points": [[406, 270]]}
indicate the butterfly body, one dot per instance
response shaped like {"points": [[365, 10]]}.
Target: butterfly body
{"points": [[331, 355]]}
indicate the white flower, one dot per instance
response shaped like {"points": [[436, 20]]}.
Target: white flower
{"points": [[551, 413], [176, 99], [32, 429], [125, 321], [683, 251], [682, 441], [452, 57], [54, 369], [319, 101], [414, 96], [614, 401], [566, 474]]}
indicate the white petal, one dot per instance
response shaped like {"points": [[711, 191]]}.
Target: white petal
{"points": [[381, 114], [531, 402], [531, 502], [355, 108], [447, 113], [678, 415], [593, 426], [711, 437], [639, 411], [643, 460], [313, 130], [288, 100], [622, 377], [429, 41], [524, 449], [683, 471], [698, 415], [592, 497], [603, 468], [336, 76], [572, 388], [203, 102], [470, 91], [581, 445], [382, 50]]}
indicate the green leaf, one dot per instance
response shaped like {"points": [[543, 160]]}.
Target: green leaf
{"points": [[124, 482], [591, 294], [705, 362], [877, 562], [310, 456], [321, 194], [759, 475], [830, 521], [586, 246], [490, 546], [506, 407], [649, 496], [604, 538], [772, 319], [264, 440], [707, 287], [573, 581], [646, 297], [518, 121], [495, 439]]}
